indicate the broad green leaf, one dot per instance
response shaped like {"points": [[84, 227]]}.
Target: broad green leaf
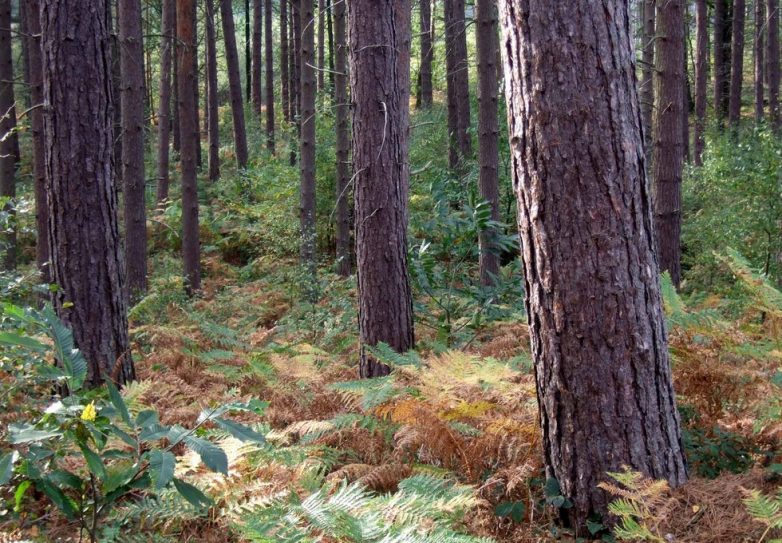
{"points": [[7, 461], [19, 494], [240, 431], [118, 403], [63, 502], [124, 436], [7, 338], [94, 462], [192, 494], [25, 433], [62, 477], [147, 418], [153, 432], [211, 455], [162, 464]]}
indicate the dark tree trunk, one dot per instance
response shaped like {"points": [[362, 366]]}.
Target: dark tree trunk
{"points": [[647, 11], [25, 41], [330, 34], [450, 79], [234, 82], [115, 89], [488, 133], [177, 137], [737, 63], [686, 101], [296, 73], [772, 56], [199, 160], [593, 298], [456, 49], [257, 85], [379, 34], [7, 127], [269, 78], [427, 54], [83, 226], [284, 75], [721, 57], [213, 129], [164, 112], [247, 49], [36, 127], [191, 247], [759, 53], [132, 100], [343, 140], [321, 44], [701, 76], [307, 138]]}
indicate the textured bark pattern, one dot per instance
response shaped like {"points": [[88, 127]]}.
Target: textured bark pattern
{"points": [[737, 62], [759, 54], [772, 56], [269, 78], [593, 297], [701, 76], [330, 34], [307, 139], [199, 160], [213, 129], [176, 136], [427, 54], [188, 127], [342, 108], [647, 11], [7, 127], [488, 133], [321, 44], [257, 78], [234, 82], [295, 41], [458, 76], [721, 57], [164, 108], [284, 75], [379, 34], [248, 69], [83, 226], [25, 42], [132, 99]]}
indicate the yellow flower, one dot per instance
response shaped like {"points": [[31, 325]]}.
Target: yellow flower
{"points": [[89, 412]]}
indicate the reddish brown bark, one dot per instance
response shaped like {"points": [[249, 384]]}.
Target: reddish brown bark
{"points": [[701, 76], [7, 129], [164, 108], [213, 129], [269, 78], [342, 108], [307, 138], [234, 82], [427, 54], [457, 80], [257, 86], [647, 12]]}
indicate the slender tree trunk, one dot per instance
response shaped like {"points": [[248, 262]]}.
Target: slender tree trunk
{"points": [[343, 140], [115, 89], [450, 79], [177, 137], [647, 9], [7, 127], [234, 82], [737, 63], [83, 226], [758, 51], [321, 44], [269, 78], [199, 159], [211, 78], [772, 56], [36, 127], [247, 50], [488, 133], [701, 76], [379, 34], [593, 298], [456, 44], [427, 54], [191, 248], [296, 73], [257, 54], [307, 139], [25, 41], [133, 118], [284, 75], [330, 34], [164, 112], [721, 57]]}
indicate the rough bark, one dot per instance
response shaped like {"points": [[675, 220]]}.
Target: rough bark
{"points": [[176, 136], [257, 55], [701, 76], [284, 75], [721, 57], [115, 89], [450, 92], [427, 54], [772, 56], [330, 35], [296, 73], [248, 77], [191, 248], [342, 108], [737, 63], [458, 76], [83, 227], [133, 118], [269, 78], [7, 128], [307, 137], [379, 34], [321, 44], [168, 21], [234, 82], [195, 90], [593, 298], [758, 51], [647, 10], [25, 41], [213, 129]]}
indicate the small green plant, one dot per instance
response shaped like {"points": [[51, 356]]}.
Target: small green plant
{"points": [[638, 507], [767, 510]]}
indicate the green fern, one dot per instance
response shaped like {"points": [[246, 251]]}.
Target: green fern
{"points": [[765, 509]]}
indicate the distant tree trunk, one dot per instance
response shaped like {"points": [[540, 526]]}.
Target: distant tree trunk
{"points": [[647, 11], [343, 140], [247, 50], [721, 57], [199, 160], [133, 119], [330, 33], [456, 47], [7, 127], [604, 386], [269, 78], [686, 100], [488, 133], [321, 44], [115, 90], [257, 54], [191, 248], [450, 80], [164, 112], [772, 56], [427, 54], [379, 34], [25, 41], [758, 51], [701, 76], [737, 63], [296, 73], [177, 138], [36, 127], [307, 139], [83, 226], [212, 93], [284, 75], [234, 82]]}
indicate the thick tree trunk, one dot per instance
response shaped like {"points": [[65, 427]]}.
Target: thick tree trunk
{"points": [[191, 247], [759, 54], [36, 127], [701, 76], [488, 133], [234, 82], [667, 159], [7, 128], [722, 56], [269, 78], [647, 11], [164, 112], [343, 141], [458, 76], [427, 54], [321, 44], [284, 75], [83, 226], [307, 138], [737, 63], [379, 34], [772, 56], [133, 118], [593, 298], [213, 129], [257, 54]]}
